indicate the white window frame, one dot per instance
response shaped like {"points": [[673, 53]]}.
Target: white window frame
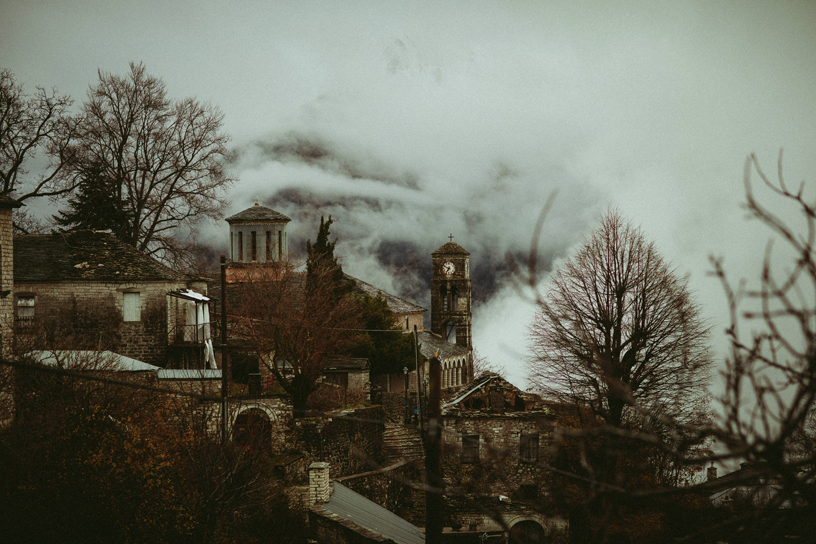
{"points": [[131, 306]]}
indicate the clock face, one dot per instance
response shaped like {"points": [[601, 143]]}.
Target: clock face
{"points": [[448, 268]]}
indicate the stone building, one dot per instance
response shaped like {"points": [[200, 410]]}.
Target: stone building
{"points": [[90, 282], [451, 295], [497, 444]]}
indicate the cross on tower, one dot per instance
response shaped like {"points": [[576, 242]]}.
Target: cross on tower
{"points": [[451, 237]]}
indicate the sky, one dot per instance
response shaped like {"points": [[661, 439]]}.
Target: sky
{"points": [[410, 121]]}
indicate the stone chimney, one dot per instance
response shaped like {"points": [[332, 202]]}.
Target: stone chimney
{"points": [[320, 488], [711, 472]]}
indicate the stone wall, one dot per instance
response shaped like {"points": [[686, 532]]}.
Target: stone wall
{"points": [[145, 339], [6, 280], [351, 442], [499, 468]]}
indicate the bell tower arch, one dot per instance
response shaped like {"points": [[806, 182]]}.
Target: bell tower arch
{"points": [[451, 294]]}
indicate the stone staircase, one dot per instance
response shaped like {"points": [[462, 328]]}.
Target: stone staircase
{"points": [[402, 442]]}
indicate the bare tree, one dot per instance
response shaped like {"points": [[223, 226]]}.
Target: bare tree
{"points": [[618, 329], [770, 395], [162, 161], [29, 124], [295, 330]]}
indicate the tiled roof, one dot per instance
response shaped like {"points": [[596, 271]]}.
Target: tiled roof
{"points": [[450, 248], [430, 343], [258, 213], [84, 256], [352, 506], [397, 305], [235, 292]]}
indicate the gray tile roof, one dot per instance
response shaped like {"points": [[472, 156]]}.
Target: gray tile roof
{"points": [[450, 248], [430, 343], [352, 506], [258, 214], [397, 305], [84, 256]]}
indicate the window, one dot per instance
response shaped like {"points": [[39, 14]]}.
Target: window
{"points": [[268, 256], [131, 307], [528, 447], [240, 246], [254, 240], [450, 332], [470, 448], [25, 311], [454, 299], [529, 491], [280, 245]]}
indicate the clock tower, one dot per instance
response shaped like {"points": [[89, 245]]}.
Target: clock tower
{"points": [[450, 294]]}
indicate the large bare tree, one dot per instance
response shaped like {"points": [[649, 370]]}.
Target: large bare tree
{"points": [[619, 332], [31, 124], [157, 163]]}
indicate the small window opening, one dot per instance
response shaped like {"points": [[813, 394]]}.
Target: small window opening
{"points": [[240, 246], [450, 332], [268, 255], [25, 311], [528, 446], [470, 448], [253, 240]]}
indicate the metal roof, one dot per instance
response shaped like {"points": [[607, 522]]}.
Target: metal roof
{"points": [[352, 506], [189, 374], [89, 360]]}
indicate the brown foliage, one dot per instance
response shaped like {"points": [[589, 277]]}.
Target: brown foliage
{"points": [[295, 330]]}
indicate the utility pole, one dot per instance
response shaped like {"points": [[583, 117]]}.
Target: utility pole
{"points": [[225, 369], [433, 456]]}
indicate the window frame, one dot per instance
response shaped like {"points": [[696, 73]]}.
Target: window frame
{"points": [[528, 447], [470, 448], [131, 311]]}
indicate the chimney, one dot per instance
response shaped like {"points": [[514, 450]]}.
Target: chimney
{"points": [[320, 488], [711, 472]]}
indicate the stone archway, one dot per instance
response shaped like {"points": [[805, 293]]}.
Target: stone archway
{"points": [[528, 532], [252, 429]]}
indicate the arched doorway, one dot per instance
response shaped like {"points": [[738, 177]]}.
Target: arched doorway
{"points": [[528, 532], [252, 429]]}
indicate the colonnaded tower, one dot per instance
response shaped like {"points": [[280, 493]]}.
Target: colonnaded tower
{"points": [[451, 294]]}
